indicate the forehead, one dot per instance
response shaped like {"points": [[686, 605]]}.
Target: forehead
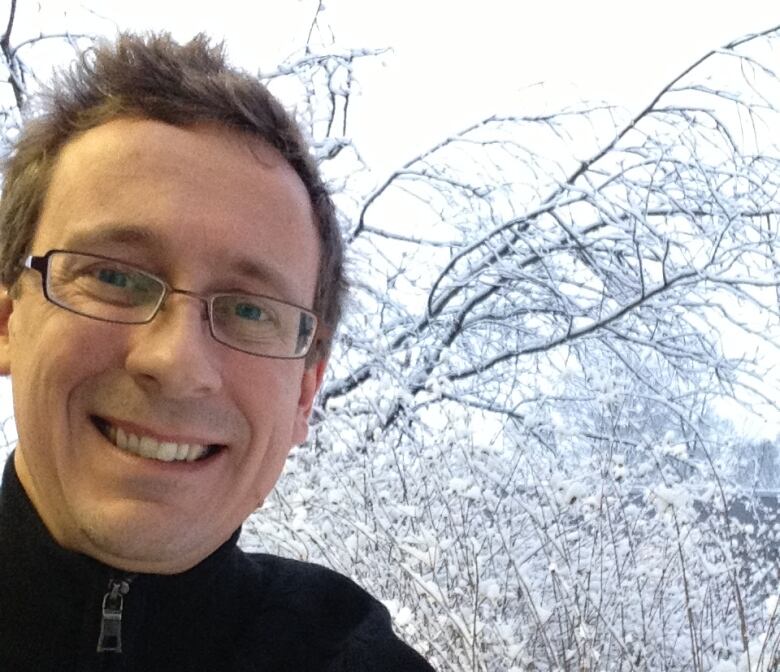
{"points": [[203, 197]]}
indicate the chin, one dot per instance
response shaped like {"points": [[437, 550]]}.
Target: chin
{"points": [[126, 537]]}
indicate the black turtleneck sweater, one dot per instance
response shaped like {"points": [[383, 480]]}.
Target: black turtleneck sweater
{"points": [[234, 611]]}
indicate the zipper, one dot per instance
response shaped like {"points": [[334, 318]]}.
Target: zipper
{"points": [[110, 638]]}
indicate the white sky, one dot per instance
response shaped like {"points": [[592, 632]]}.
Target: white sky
{"points": [[451, 62]]}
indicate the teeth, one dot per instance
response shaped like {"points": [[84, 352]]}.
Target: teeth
{"points": [[149, 447], [146, 446], [196, 452], [168, 451]]}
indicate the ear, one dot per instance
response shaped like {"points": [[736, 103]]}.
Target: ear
{"points": [[310, 384], [6, 308]]}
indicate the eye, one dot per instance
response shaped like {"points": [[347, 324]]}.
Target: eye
{"points": [[119, 278], [250, 311], [114, 283], [112, 276]]}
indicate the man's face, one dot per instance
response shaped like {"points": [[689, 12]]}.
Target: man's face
{"points": [[207, 210]]}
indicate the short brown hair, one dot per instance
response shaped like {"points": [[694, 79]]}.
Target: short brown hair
{"points": [[153, 76]]}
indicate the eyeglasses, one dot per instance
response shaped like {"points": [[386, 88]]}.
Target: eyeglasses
{"points": [[110, 290]]}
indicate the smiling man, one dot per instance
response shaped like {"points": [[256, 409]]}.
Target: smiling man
{"points": [[172, 271]]}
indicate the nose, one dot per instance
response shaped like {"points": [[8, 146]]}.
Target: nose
{"points": [[174, 355]]}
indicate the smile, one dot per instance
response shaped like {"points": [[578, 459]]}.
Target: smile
{"points": [[149, 447]]}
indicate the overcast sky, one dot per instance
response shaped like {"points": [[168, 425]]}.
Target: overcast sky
{"points": [[450, 63]]}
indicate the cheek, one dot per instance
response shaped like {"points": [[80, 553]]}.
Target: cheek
{"points": [[48, 362], [267, 390], [269, 403]]}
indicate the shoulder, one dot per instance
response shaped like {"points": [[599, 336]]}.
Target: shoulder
{"points": [[314, 593], [324, 615]]}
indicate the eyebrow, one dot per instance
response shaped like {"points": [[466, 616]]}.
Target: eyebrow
{"points": [[141, 237], [115, 234]]}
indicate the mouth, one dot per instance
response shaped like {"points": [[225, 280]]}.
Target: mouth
{"points": [[152, 448]]}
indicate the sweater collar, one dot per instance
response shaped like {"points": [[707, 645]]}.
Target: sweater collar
{"points": [[24, 536]]}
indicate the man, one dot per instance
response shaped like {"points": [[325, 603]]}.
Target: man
{"points": [[173, 272]]}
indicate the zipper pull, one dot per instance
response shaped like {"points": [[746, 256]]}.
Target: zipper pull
{"points": [[110, 638]]}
